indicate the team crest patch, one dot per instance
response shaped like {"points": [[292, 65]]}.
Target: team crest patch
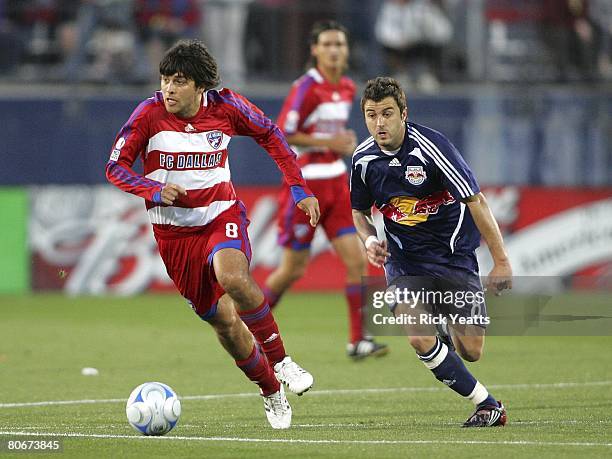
{"points": [[415, 174], [214, 138]]}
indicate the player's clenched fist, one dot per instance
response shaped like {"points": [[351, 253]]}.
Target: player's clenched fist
{"points": [[344, 142], [377, 251], [170, 192], [310, 206]]}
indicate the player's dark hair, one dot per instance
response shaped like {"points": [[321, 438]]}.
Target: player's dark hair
{"points": [[318, 28], [323, 26], [381, 87], [191, 59]]}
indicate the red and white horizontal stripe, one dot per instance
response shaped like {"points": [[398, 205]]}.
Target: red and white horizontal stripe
{"points": [[193, 179], [186, 142], [197, 216], [329, 113], [323, 170], [209, 191]]}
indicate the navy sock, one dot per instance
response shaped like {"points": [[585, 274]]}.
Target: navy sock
{"points": [[448, 368]]}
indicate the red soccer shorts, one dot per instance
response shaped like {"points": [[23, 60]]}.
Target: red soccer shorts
{"points": [[189, 258], [295, 231]]}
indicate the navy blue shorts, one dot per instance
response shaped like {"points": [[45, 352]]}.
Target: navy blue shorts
{"points": [[448, 290]]}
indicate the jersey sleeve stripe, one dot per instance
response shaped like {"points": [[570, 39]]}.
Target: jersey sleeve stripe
{"points": [[363, 144], [443, 163], [458, 227], [252, 115], [127, 127], [264, 122], [300, 94], [123, 175], [364, 162]]}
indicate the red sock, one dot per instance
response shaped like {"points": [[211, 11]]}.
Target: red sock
{"points": [[257, 369], [271, 297], [263, 326], [353, 298]]}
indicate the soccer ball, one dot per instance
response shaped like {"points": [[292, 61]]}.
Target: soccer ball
{"points": [[153, 408]]}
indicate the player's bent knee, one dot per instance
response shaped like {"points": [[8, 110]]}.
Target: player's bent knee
{"points": [[471, 355], [297, 272], [470, 348], [226, 319]]}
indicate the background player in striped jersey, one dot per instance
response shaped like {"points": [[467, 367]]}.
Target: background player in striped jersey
{"points": [[423, 187], [182, 135], [314, 118]]}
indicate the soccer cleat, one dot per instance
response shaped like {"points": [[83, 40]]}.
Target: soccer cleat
{"points": [[278, 410], [366, 348], [293, 376], [488, 416]]}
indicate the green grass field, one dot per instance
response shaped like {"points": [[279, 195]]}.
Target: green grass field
{"points": [[558, 390]]}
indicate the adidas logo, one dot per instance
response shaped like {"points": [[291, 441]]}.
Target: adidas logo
{"points": [[449, 382], [395, 162], [189, 128], [271, 338]]}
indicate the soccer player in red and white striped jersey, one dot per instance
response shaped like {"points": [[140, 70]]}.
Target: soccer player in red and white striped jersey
{"points": [[182, 135], [314, 118]]}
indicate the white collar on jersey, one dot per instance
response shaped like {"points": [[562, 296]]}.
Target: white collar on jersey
{"points": [[392, 152], [316, 75]]}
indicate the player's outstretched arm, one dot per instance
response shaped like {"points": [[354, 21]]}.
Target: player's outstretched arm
{"points": [[310, 206], [500, 276], [376, 250]]}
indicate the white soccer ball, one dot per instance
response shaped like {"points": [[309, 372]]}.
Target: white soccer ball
{"points": [[153, 408]]}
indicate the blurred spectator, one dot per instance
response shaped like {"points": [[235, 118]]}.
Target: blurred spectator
{"points": [[224, 32], [12, 45], [106, 44], [278, 29], [413, 34], [44, 29], [600, 14], [570, 37], [266, 33], [161, 23], [366, 60]]}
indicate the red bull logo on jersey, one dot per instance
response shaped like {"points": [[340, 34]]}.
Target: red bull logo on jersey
{"points": [[214, 138], [415, 174], [410, 211]]}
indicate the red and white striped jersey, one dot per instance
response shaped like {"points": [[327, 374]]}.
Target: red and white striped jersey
{"points": [[317, 107], [192, 153]]}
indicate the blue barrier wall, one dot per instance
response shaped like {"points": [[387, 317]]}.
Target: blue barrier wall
{"points": [[544, 138]]}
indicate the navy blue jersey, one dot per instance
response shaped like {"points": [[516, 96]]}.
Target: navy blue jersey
{"points": [[419, 191]]}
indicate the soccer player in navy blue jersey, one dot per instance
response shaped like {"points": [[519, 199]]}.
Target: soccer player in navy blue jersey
{"points": [[434, 216]]}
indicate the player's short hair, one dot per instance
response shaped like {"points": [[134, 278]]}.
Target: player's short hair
{"points": [[323, 26], [382, 87], [191, 59]]}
